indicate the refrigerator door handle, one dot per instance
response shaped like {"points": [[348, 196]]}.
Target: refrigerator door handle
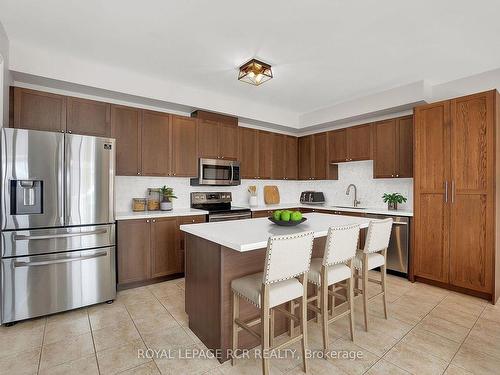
{"points": [[56, 261], [63, 235]]}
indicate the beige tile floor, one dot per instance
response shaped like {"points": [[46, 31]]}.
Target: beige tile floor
{"points": [[429, 331]]}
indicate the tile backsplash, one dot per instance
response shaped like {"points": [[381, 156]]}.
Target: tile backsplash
{"points": [[370, 190]]}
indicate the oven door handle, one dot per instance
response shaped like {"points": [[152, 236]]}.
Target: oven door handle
{"points": [[56, 261], [23, 237], [228, 217]]}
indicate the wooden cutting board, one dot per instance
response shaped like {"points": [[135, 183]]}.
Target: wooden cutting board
{"points": [[271, 194]]}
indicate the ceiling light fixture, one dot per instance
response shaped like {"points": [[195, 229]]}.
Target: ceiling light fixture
{"points": [[255, 72]]}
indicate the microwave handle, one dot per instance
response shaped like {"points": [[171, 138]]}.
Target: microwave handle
{"points": [[232, 173]]}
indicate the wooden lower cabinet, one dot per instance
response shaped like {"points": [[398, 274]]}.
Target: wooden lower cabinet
{"points": [[164, 259], [148, 250], [133, 254]]}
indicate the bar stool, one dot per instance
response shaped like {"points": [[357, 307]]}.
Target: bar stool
{"points": [[287, 257], [372, 256], [335, 266]]}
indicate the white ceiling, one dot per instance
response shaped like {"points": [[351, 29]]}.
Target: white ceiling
{"points": [[322, 52]]}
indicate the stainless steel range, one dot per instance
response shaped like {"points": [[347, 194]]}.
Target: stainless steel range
{"points": [[219, 206], [58, 231]]}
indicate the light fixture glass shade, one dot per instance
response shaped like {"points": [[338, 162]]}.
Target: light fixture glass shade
{"points": [[255, 72]]}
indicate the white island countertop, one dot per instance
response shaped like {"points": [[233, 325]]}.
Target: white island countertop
{"points": [[252, 234]]}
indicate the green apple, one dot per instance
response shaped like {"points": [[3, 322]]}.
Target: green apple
{"points": [[296, 216], [277, 215], [285, 216]]}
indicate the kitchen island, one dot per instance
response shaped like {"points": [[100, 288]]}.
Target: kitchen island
{"points": [[216, 253]]}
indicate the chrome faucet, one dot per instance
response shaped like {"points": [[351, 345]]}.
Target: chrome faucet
{"points": [[355, 202]]}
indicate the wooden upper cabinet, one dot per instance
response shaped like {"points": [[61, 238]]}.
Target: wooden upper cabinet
{"points": [[164, 256], [208, 139], [306, 157], [38, 110], [88, 117], [133, 254], [291, 157], [384, 149], [472, 211], [320, 156], [218, 135], [265, 145], [404, 155], [228, 141], [184, 146], [279, 156], [359, 142], [249, 152], [337, 145], [393, 148], [126, 129], [432, 191], [155, 144], [217, 140]]}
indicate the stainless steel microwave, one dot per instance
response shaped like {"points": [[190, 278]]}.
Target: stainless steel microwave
{"points": [[217, 172]]}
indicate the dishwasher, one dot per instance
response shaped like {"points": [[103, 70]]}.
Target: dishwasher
{"points": [[397, 252]]}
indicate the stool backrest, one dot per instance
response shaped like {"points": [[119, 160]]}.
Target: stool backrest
{"points": [[379, 233], [341, 244], [288, 256]]}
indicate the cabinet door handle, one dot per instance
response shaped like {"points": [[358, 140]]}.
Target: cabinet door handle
{"points": [[452, 191], [446, 192]]}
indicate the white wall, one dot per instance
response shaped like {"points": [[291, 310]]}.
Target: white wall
{"points": [[5, 78], [370, 190]]}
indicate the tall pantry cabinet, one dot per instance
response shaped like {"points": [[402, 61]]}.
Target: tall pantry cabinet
{"points": [[455, 225]]}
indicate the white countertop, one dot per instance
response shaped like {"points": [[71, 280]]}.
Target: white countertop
{"points": [[252, 234], [367, 210], [130, 215]]}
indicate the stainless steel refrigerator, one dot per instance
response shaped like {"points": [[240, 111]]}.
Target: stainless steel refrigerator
{"points": [[57, 224]]}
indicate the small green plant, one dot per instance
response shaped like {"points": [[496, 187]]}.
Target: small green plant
{"points": [[393, 198], [167, 193]]}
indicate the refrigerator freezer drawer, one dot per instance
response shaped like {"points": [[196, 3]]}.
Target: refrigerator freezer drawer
{"points": [[46, 284], [43, 241]]}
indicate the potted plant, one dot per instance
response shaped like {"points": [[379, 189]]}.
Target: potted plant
{"points": [[167, 195], [392, 200]]}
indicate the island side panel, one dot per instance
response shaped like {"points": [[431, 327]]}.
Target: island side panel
{"points": [[203, 298]]}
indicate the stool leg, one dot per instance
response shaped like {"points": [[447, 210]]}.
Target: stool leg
{"points": [[234, 331], [271, 329], [324, 307], [332, 300], [291, 322], [317, 302], [265, 329], [365, 289], [303, 323], [383, 273], [350, 296]]}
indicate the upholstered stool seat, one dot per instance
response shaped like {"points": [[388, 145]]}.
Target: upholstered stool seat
{"points": [[250, 287], [374, 260], [336, 272]]}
